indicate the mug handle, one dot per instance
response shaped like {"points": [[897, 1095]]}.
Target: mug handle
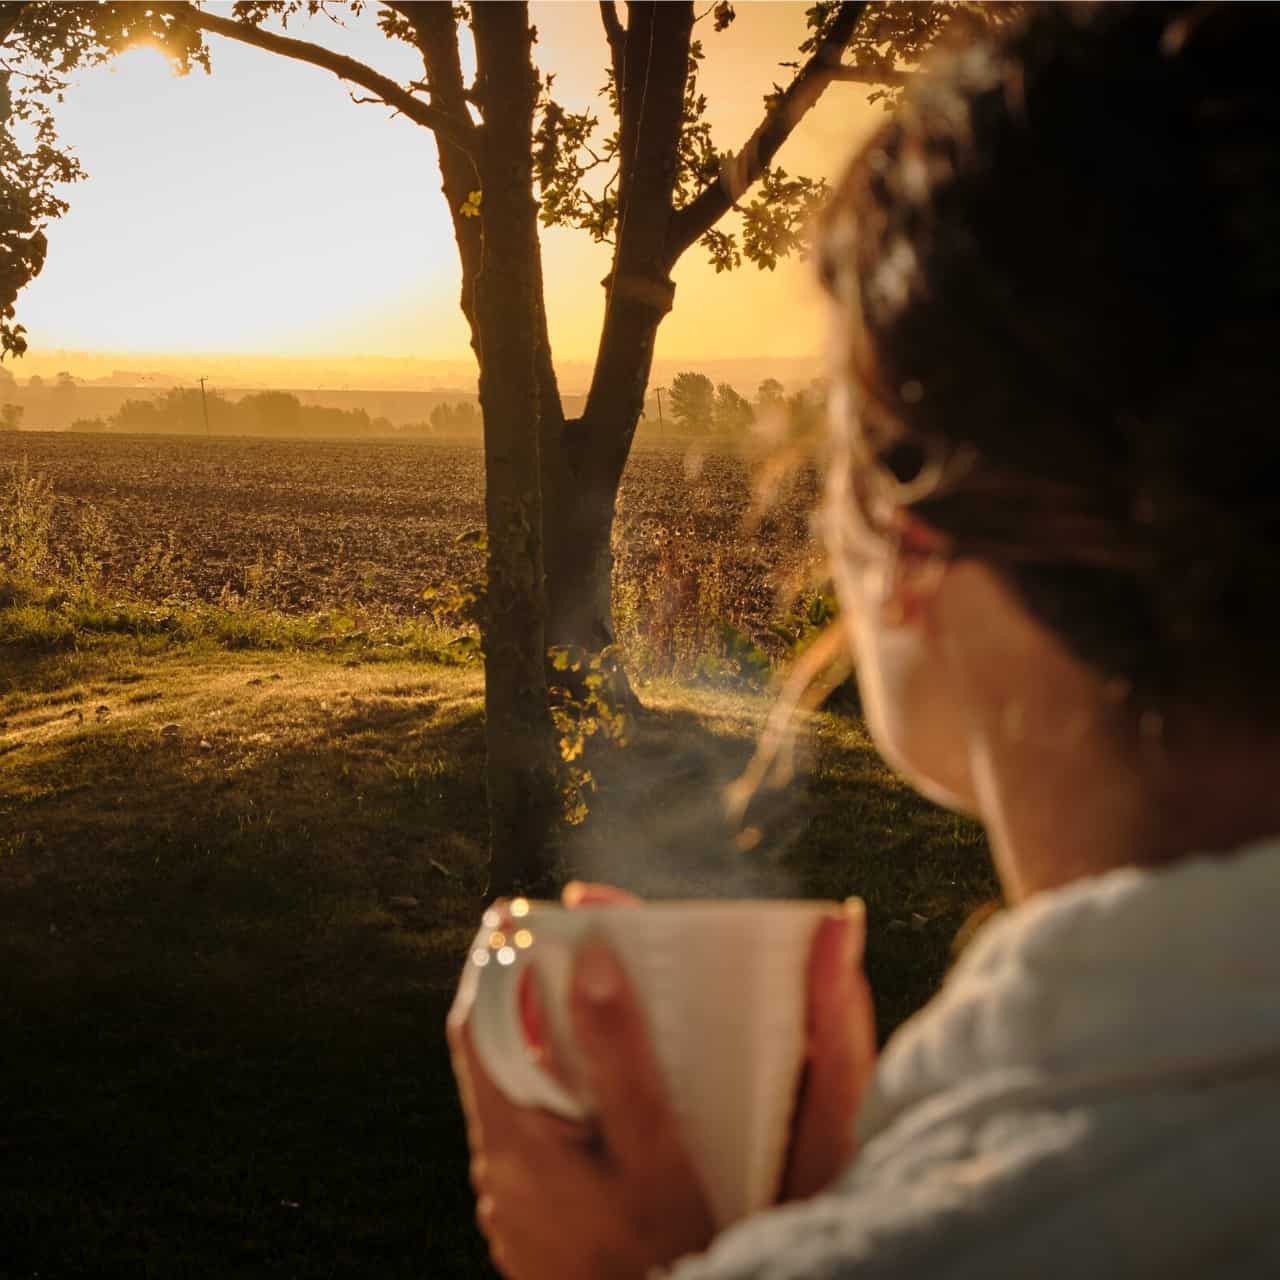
{"points": [[490, 994]]}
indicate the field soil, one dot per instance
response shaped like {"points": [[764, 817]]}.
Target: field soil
{"points": [[313, 524]]}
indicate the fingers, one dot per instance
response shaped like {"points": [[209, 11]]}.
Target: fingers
{"points": [[585, 893], [841, 1056], [497, 1126], [635, 1118]]}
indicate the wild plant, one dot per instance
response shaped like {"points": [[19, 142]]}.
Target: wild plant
{"points": [[83, 563], [26, 514], [161, 570]]}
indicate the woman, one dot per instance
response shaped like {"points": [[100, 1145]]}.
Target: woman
{"points": [[1054, 524]]}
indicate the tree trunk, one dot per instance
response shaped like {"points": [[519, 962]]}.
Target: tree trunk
{"points": [[579, 558], [591, 452], [518, 731]]}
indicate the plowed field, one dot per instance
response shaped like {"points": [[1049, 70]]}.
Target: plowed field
{"points": [[313, 523]]}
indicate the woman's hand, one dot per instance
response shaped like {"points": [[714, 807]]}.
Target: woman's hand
{"points": [[560, 1201], [556, 1199], [840, 1059], [841, 1051]]}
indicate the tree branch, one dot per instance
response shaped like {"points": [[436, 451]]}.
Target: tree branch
{"points": [[435, 35], [870, 75], [458, 131], [738, 172], [617, 38], [10, 16]]}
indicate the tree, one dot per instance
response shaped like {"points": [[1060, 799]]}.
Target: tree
{"points": [[461, 418], [693, 397], [769, 394], [500, 140], [732, 411], [11, 417], [271, 413]]}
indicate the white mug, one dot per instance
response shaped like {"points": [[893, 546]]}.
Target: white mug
{"points": [[724, 986]]}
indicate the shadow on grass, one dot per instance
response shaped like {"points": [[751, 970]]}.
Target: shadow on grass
{"points": [[222, 993], [226, 952]]}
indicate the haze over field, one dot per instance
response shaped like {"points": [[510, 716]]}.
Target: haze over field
{"points": [[320, 253]]}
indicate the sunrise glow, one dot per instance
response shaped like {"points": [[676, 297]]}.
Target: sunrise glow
{"points": [[260, 210]]}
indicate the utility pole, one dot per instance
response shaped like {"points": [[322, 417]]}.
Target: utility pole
{"points": [[661, 424], [204, 404]]}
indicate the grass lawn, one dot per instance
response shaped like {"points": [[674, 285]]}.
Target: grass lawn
{"points": [[235, 888]]}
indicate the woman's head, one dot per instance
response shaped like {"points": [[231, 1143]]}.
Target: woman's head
{"points": [[1055, 273]]}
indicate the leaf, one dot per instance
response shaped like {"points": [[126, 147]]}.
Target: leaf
{"points": [[470, 207]]}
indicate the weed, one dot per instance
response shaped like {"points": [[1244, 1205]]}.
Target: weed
{"points": [[26, 513], [83, 563]]}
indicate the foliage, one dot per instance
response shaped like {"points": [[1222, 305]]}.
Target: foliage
{"points": [[577, 173], [462, 418], [83, 562], [693, 400], [776, 222], [732, 413], [588, 699], [741, 663], [11, 417], [26, 513], [769, 393], [183, 410]]}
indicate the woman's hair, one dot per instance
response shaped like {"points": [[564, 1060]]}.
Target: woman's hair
{"points": [[1059, 269]]}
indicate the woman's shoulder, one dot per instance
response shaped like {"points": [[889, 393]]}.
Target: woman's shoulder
{"points": [[1093, 1092], [1173, 1181]]}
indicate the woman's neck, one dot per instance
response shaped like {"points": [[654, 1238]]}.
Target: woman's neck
{"points": [[1068, 806]]}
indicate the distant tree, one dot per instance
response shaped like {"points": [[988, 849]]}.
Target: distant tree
{"points": [[10, 417], [321, 420], [63, 381], [138, 415], [94, 425], [270, 413], [8, 383], [769, 393], [732, 412], [455, 419], [35, 383], [806, 408], [692, 399]]}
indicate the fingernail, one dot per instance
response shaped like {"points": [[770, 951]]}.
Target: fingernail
{"points": [[572, 893], [596, 973], [855, 932]]}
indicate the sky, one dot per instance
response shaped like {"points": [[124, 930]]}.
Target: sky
{"points": [[260, 211]]}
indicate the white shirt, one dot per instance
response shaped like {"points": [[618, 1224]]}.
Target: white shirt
{"points": [[1095, 1092]]}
